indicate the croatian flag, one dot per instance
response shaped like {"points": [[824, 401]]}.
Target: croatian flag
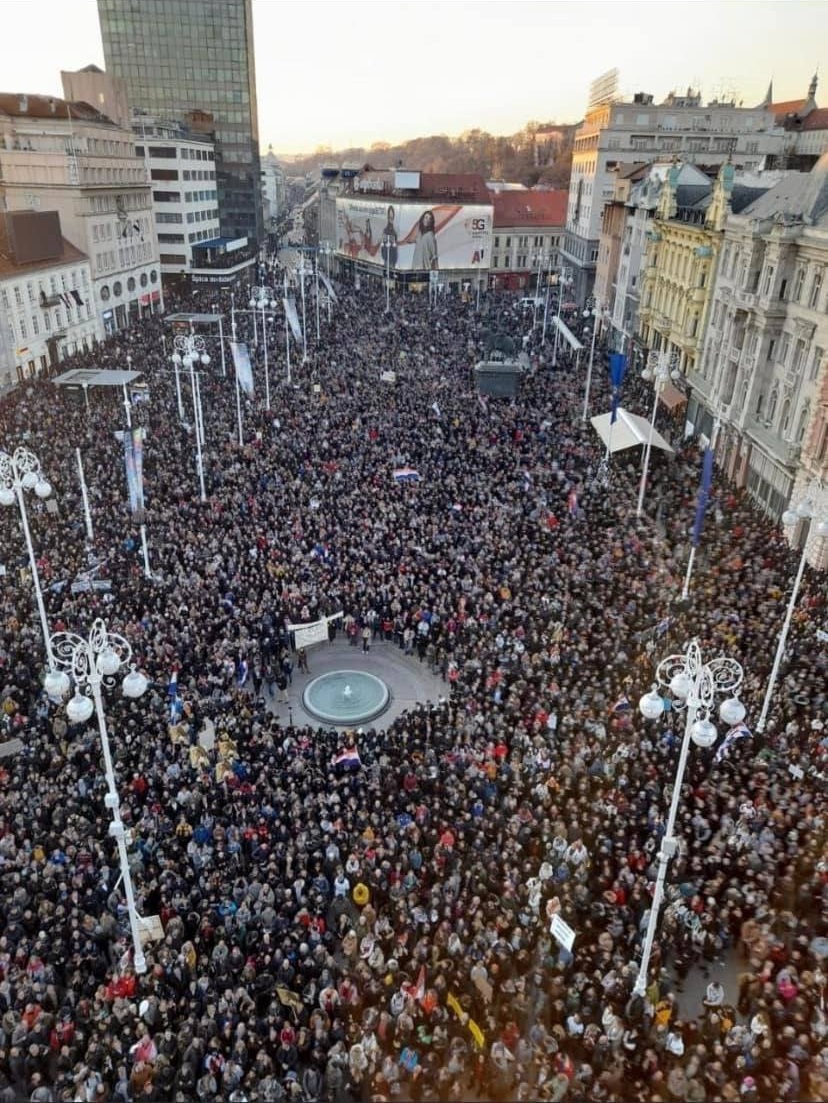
{"points": [[738, 731], [415, 991], [406, 475], [348, 757]]}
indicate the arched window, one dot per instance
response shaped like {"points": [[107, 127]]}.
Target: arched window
{"points": [[773, 404], [803, 422], [785, 421]]}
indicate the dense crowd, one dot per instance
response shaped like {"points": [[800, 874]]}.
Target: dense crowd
{"points": [[383, 931]]}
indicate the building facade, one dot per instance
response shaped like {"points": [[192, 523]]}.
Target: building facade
{"points": [[47, 310], [681, 126], [274, 191], [67, 157], [528, 228], [182, 168], [763, 368], [196, 55], [682, 257]]}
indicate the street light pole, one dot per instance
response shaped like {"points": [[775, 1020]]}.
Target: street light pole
{"points": [[694, 686], [304, 326], [287, 332], [316, 283], [387, 242], [194, 349], [18, 472], [235, 369], [813, 507], [91, 663], [262, 297], [592, 310], [562, 282], [660, 369]]}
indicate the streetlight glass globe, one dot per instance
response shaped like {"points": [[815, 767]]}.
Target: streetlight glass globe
{"points": [[822, 528], [176, 359], [253, 304], [646, 375], [651, 705], [108, 663], [29, 480], [43, 489], [205, 359], [135, 684], [680, 685], [6, 496], [57, 685], [789, 518], [80, 708], [732, 711], [804, 509], [703, 733]]}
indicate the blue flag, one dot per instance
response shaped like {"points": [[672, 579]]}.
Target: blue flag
{"points": [[618, 368], [704, 494]]}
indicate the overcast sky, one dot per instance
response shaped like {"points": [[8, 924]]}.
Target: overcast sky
{"points": [[336, 73]]}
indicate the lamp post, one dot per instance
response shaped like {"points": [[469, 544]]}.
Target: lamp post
{"points": [[287, 331], [262, 299], [92, 663], [18, 472], [813, 507], [387, 241], [235, 367], [193, 349], [301, 272], [540, 258], [316, 289], [660, 369], [594, 311], [562, 280], [694, 686]]}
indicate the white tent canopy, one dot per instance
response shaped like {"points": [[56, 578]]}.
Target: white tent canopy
{"points": [[567, 334], [628, 431], [96, 377]]}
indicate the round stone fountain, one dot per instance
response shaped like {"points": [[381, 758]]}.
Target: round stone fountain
{"points": [[346, 698]]}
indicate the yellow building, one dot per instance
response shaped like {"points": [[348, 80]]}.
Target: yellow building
{"points": [[680, 263]]}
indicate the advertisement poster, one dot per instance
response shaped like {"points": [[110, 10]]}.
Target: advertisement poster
{"points": [[414, 237]]}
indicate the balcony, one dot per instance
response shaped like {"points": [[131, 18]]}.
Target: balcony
{"points": [[735, 353], [745, 299]]}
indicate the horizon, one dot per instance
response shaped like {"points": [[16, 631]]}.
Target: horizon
{"points": [[352, 94]]}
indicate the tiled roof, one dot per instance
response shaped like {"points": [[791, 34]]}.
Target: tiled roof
{"points": [[520, 208], [786, 107], [10, 267], [469, 186], [20, 105], [816, 120]]}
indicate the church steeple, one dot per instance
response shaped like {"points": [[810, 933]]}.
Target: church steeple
{"points": [[812, 87], [768, 100]]}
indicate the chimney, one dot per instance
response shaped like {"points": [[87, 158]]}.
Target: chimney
{"points": [[52, 104], [23, 104]]}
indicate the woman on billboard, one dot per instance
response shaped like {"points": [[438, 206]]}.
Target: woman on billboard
{"points": [[425, 247]]}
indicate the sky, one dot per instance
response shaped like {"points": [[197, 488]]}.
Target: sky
{"points": [[339, 74]]}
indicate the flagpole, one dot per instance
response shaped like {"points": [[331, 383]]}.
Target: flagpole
{"points": [[287, 335], [89, 533], [221, 340], [686, 588], [235, 369]]}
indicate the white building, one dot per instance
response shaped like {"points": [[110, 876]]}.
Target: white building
{"points": [[681, 127], [46, 305], [764, 361], [182, 168], [67, 157], [274, 191]]}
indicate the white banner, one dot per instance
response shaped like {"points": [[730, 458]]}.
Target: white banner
{"points": [[293, 319], [244, 371], [312, 632], [328, 286]]}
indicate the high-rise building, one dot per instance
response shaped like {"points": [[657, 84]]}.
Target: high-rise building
{"points": [[196, 55]]}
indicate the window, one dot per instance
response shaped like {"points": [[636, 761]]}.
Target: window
{"points": [[35, 327], [131, 284], [117, 289], [816, 288], [798, 284], [23, 332], [18, 298], [768, 280], [143, 279], [815, 362], [104, 294]]}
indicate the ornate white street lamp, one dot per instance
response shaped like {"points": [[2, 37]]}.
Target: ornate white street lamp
{"points": [[694, 686], [18, 472], [263, 300], [190, 350], [562, 280], [90, 664], [661, 368]]}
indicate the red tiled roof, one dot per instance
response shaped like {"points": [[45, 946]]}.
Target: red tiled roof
{"points": [[21, 105], [10, 267], [530, 208], [817, 120], [786, 107], [469, 186]]}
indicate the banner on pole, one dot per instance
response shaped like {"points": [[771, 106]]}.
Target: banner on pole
{"points": [[241, 361], [704, 494], [293, 319], [312, 632], [328, 286], [138, 457]]}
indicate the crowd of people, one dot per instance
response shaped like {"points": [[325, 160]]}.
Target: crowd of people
{"points": [[379, 928]]}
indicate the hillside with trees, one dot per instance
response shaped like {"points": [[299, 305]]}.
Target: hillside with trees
{"points": [[525, 157]]}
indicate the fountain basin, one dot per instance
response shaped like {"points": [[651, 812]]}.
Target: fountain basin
{"points": [[346, 698]]}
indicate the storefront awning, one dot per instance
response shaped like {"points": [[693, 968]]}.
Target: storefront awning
{"points": [[672, 397], [628, 431], [95, 377]]}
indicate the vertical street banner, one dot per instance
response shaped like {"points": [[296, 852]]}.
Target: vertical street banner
{"points": [[138, 461], [293, 319], [328, 286], [129, 464], [241, 361], [704, 494]]}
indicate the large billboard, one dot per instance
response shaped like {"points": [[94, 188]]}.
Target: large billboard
{"points": [[414, 237]]}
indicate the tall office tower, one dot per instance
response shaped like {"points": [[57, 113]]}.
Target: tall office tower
{"points": [[179, 56]]}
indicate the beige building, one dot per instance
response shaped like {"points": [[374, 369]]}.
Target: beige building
{"points": [[67, 157]]}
